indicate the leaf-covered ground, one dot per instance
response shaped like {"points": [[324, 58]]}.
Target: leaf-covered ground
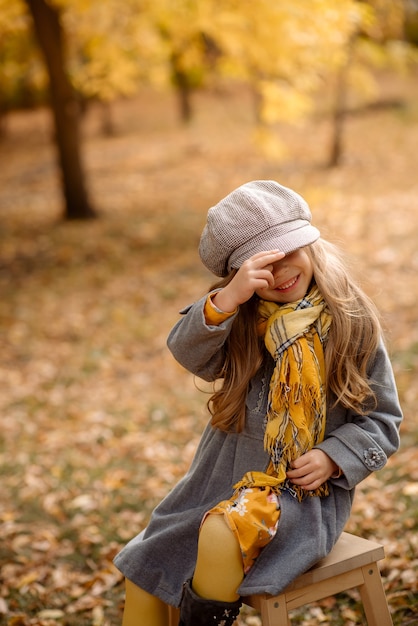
{"points": [[97, 420]]}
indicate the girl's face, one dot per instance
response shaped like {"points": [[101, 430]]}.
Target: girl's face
{"points": [[292, 277]]}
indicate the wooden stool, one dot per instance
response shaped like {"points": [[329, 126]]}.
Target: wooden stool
{"points": [[351, 563]]}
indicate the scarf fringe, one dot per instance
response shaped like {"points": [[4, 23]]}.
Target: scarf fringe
{"points": [[291, 433], [261, 480]]}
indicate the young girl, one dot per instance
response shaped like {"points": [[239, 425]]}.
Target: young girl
{"points": [[304, 409]]}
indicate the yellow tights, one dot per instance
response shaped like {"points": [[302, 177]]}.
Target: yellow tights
{"points": [[219, 570], [142, 608], [217, 576]]}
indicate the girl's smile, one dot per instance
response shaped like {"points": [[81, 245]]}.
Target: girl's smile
{"points": [[288, 285], [292, 277]]}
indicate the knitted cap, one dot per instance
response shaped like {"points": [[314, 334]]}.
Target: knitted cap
{"points": [[260, 215]]}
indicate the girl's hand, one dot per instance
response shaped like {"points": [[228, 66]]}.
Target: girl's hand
{"points": [[312, 469], [255, 273]]}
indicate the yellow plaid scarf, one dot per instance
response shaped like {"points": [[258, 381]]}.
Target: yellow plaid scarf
{"points": [[294, 336]]}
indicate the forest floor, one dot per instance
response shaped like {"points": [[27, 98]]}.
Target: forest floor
{"points": [[97, 420]]}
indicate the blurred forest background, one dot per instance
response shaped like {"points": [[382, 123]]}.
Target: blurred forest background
{"points": [[120, 125]]}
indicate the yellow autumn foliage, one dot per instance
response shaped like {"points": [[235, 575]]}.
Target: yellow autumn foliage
{"points": [[286, 51], [281, 101]]}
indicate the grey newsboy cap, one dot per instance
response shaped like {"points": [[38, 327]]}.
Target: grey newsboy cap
{"points": [[260, 215]]}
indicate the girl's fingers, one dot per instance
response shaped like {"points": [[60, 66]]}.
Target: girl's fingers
{"points": [[255, 273], [267, 257]]}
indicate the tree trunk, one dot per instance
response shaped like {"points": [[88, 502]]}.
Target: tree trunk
{"points": [[65, 109], [184, 89], [340, 108], [2, 123], [338, 115]]}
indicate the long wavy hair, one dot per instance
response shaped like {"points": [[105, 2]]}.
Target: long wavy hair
{"points": [[352, 342]]}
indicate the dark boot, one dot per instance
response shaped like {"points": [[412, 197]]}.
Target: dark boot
{"points": [[197, 611]]}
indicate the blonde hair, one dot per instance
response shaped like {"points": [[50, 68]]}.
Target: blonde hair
{"points": [[352, 342]]}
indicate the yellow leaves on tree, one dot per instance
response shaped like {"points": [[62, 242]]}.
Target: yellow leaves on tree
{"points": [[105, 41], [286, 51], [20, 69]]}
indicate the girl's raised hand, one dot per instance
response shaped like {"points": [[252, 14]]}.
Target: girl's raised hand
{"points": [[255, 273]]}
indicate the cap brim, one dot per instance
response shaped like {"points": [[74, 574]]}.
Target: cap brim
{"points": [[271, 240]]}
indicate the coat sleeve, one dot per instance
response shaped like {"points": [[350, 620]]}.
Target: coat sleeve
{"points": [[363, 443], [199, 346]]}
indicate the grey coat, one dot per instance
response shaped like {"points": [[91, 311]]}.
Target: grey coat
{"points": [[163, 555]]}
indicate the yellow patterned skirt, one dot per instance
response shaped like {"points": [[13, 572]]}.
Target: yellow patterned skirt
{"points": [[252, 513]]}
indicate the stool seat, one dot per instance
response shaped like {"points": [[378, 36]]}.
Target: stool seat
{"points": [[351, 563]]}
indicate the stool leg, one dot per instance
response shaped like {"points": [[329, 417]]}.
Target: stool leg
{"points": [[374, 598], [274, 612]]}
